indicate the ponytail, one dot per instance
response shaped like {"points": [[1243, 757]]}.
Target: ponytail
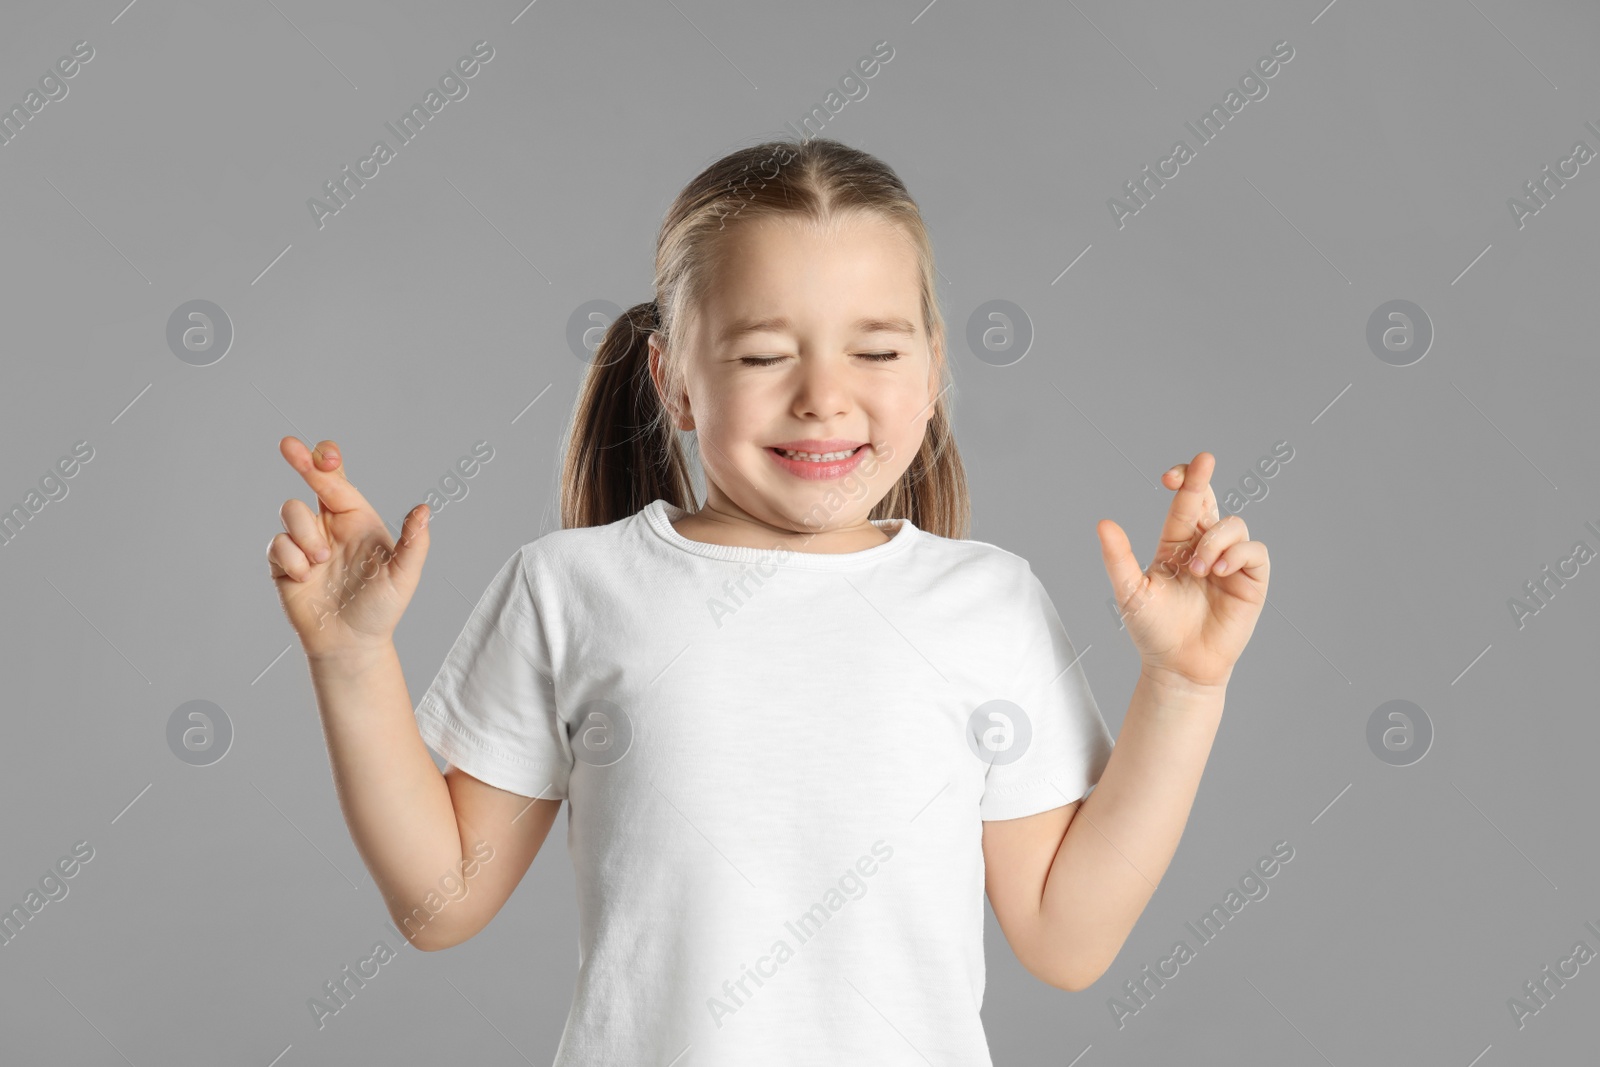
{"points": [[622, 451]]}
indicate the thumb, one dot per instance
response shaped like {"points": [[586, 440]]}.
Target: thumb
{"points": [[1122, 567], [412, 548]]}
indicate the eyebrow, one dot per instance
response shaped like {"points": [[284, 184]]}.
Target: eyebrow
{"points": [[778, 324]]}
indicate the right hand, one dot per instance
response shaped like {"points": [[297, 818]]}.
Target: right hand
{"points": [[343, 582]]}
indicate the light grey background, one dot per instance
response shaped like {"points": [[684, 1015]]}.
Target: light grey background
{"points": [[1229, 314]]}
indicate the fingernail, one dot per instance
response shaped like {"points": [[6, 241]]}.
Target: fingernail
{"points": [[1198, 566], [323, 554]]}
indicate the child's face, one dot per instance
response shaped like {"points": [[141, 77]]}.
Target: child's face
{"points": [[818, 377]]}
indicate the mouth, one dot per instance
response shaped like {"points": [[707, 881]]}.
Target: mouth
{"points": [[818, 466], [803, 456]]}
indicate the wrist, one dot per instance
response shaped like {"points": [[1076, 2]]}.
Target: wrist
{"points": [[351, 659], [1182, 684]]}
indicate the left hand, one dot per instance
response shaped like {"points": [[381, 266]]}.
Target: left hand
{"points": [[1190, 627]]}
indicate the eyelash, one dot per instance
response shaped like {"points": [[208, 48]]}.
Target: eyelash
{"points": [[767, 361]]}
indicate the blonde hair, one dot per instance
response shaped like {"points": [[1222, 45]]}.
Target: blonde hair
{"points": [[623, 450]]}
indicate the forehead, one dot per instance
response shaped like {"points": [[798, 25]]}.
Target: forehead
{"points": [[849, 269]]}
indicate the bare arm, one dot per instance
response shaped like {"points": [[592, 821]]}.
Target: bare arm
{"points": [[419, 833], [1067, 885], [445, 850]]}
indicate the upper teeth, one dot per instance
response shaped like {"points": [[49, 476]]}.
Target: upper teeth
{"points": [[818, 457]]}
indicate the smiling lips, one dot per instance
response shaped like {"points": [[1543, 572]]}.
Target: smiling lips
{"points": [[818, 459]]}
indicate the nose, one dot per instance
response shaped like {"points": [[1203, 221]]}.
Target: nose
{"points": [[822, 390]]}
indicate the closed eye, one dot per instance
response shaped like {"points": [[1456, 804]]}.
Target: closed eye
{"points": [[767, 361]]}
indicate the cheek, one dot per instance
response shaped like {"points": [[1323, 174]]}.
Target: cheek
{"points": [[905, 407], [730, 424]]}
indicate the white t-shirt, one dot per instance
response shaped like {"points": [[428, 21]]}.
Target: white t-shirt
{"points": [[777, 765]]}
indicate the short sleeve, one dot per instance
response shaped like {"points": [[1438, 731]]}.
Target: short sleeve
{"points": [[1064, 742], [491, 709]]}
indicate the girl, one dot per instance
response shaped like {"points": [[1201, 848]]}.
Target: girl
{"points": [[803, 726]]}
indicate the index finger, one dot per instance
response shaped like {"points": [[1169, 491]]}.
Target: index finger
{"points": [[333, 488], [1192, 506]]}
